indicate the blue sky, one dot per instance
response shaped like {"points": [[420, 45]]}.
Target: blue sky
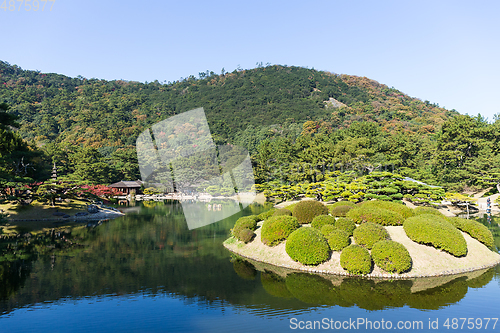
{"points": [[446, 52]]}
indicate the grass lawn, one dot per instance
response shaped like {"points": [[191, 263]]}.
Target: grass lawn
{"points": [[39, 211]]}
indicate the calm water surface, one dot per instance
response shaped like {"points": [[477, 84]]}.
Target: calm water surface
{"points": [[146, 272]]}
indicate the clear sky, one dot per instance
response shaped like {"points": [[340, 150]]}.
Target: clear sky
{"points": [[447, 52]]}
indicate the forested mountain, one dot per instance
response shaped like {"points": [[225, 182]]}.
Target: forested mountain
{"points": [[315, 114]]}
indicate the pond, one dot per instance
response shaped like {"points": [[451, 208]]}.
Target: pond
{"points": [[147, 272]]}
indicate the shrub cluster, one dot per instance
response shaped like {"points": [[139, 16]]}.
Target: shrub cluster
{"points": [[399, 208], [340, 210], [475, 229], [244, 227], [427, 210], [391, 256], [326, 229], [282, 211], [430, 229], [277, 228], [356, 260], [369, 233], [307, 246], [266, 214], [345, 224], [375, 215], [306, 210], [321, 220], [342, 203], [338, 239]]}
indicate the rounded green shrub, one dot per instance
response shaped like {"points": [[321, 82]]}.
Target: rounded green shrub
{"points": [[306, 210], [282, 211], [245, 235], [391, 256], [345, 224], [375, 215], [338, 239], [475, 229], [277, 228], [356, 259], [245, 222], [266, 214], [321, 220], [399, 208], [369, 233], [430, 229], [326, 229], [427, 210], [307, 246], [340, 210]]}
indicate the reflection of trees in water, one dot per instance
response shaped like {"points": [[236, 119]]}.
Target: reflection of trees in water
{"points": [[370, 294]]}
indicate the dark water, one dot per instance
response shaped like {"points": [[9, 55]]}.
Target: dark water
{"points": [[147, 272]]}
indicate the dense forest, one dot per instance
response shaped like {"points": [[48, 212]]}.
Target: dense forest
{"points": [[283, 115]]}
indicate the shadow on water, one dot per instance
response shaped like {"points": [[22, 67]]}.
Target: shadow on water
{"points": [[151, 251]]}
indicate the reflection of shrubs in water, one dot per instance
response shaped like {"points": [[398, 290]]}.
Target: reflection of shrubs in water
{"points": [[244, 269], [313, 289], [481, 280], [274, 285], [369, 294]]}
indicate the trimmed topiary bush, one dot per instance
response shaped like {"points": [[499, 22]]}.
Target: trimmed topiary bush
{"points": [[369, 233], [277, 228], [375, 215], [282, 211], [306, 210], [391, 256], [356, 260], [399, 208], [338, 239], [245, 235], [430, 229], [245, 222], [340, 210], [326, 229], [266, 214], [319, 221], [427, 210], [345, 224], [307, 246], [475, 229]]}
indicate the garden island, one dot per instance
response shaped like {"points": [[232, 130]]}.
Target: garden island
{"points": [[374, 238]]}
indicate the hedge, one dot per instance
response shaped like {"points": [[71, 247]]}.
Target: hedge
{"points": [[245, 222], [277, 228], [306, 210], [427, 210], [356, 260], [375, 215], [321, 220], [369, 233], [282, 211], [401, 209], [430, 229], [340, 210], [326, 229], [266, 214], [338, 240], [475, 229], [391, 256], [245, 235], [307, 246], [345, 224]]}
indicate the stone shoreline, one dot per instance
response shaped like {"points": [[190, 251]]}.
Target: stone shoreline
{"points": [[427, 261]]}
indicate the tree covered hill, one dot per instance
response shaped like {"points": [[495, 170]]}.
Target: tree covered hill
{"points": [[100, 113]]}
